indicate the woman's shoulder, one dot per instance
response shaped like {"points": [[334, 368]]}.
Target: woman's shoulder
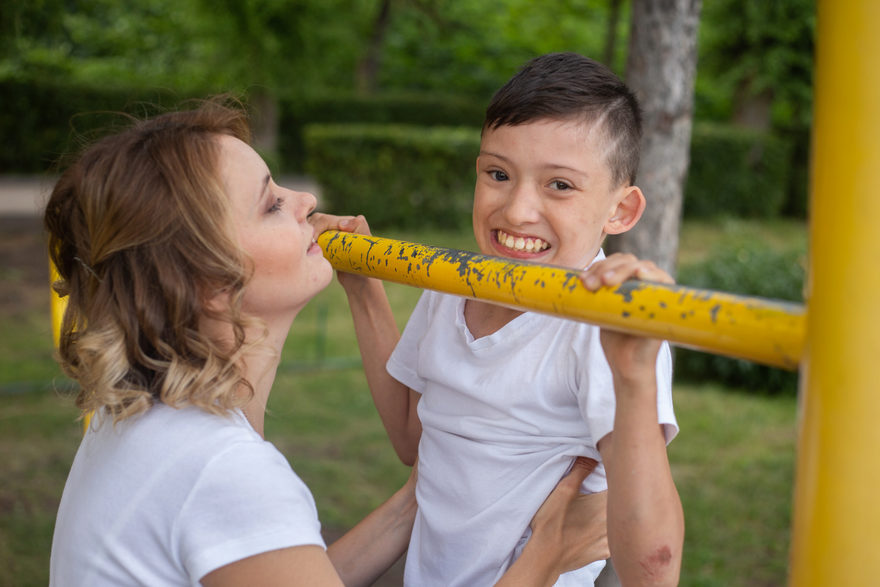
{"points": [[190, 448], [188, 436], [165, 424]]}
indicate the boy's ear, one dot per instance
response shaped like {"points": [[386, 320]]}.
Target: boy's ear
{"points": [[627, 211]]}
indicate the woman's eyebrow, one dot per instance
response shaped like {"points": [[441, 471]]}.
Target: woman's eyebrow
{"points": [[264, 187]]}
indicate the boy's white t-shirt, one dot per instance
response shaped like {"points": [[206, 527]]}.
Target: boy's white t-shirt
{"points": [[503, 418], [170, 495]]}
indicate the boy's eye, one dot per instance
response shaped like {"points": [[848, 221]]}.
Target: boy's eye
{"points": [[498, 175], [275, 207]]}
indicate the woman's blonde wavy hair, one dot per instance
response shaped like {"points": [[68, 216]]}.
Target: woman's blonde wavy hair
{"points": [[141, 234]]}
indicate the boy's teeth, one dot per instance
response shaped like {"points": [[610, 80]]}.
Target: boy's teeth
{"points": [[519, 243]]}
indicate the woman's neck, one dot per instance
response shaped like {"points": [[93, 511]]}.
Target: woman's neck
{"points": [[259, 367], [259, 360]]}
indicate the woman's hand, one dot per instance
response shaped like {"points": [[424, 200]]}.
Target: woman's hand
{"points": [[574, 522], [569, 531]]}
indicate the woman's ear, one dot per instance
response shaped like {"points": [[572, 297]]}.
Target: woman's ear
{"points": [[627, 211]]}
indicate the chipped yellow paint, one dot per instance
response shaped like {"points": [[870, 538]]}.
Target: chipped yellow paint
{"points": [[756, 329]]}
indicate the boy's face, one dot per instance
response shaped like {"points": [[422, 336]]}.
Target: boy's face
{"points": [[544, 193]]}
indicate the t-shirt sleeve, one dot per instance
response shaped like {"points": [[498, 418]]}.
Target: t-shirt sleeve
{"points": [[403, 362], [247, 501], [665, 410], [596, 391]]}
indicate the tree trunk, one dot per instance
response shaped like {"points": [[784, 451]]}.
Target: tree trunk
{"points": [[752, 109], [611, 32], [368, 68], [661, 68], [264, 120]]}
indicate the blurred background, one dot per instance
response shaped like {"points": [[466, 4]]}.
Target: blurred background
{"points": [[376, 106]]}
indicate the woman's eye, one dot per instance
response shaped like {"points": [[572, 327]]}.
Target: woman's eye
{"points": [[277, 205], [560, 185], [498, 175]]}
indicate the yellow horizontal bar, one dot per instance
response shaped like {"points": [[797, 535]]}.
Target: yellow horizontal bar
{"points": [[760, 330]]}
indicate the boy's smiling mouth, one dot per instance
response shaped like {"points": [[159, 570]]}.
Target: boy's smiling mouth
{"points": [[521, 244]]}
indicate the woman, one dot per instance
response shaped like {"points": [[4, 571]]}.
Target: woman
{"points": [[185, 266]]}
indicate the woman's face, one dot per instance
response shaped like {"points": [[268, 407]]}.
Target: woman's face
{"points": [[288, 267]]}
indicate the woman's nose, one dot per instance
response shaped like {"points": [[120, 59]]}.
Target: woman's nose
{"points": [[306, 203]]}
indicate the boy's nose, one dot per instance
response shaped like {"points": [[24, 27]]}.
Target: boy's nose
{"points": [[522, 206]]}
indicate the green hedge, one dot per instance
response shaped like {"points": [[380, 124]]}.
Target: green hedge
{"points": [[749, 269], [736, 172], [410, 109], [733, 171], [398, 176], [40, 122]]}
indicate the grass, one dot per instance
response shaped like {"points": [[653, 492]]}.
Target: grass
{"points": [[733, 461]]}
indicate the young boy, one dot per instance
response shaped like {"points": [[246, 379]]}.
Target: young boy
{"points": [[496, 402]]}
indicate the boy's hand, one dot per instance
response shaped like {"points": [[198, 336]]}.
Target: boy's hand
{"points": [[356, 224], [630, 356]]}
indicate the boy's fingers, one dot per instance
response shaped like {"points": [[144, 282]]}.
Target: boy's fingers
{"points": [[323, 222], [617, 269], [359, 224]]}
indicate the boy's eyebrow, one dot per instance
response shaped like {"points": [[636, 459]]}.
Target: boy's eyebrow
{"points": [[491, 154], [545, 166]]}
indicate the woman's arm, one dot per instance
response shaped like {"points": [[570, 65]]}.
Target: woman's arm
{"points": [[377, 335], [568, 532], [369, 549], [359, 557], [297, 566]]}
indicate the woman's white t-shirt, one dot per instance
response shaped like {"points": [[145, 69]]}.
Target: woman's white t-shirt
{"points": [[168, 496]]}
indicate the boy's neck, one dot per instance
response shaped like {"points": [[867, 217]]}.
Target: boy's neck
{"points": [[483, 319]]}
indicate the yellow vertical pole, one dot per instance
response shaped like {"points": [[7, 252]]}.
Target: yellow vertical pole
{"points": [[56, 308], [56, 305], [836, 525]]}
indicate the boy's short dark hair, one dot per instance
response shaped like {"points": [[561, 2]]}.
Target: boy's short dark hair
{"points": [[563, 86]]}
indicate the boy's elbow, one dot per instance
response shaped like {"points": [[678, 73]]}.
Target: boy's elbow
{"points": [[407, 455], [660, 568]]}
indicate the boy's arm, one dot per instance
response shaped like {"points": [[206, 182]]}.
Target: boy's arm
{"points": [[377, 335], [645, 518]]}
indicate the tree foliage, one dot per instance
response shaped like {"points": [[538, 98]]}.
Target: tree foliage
{"points": [[429, 45], [473, 47], [184, 44], [757, 48], [293, 45], [106, 42]]}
